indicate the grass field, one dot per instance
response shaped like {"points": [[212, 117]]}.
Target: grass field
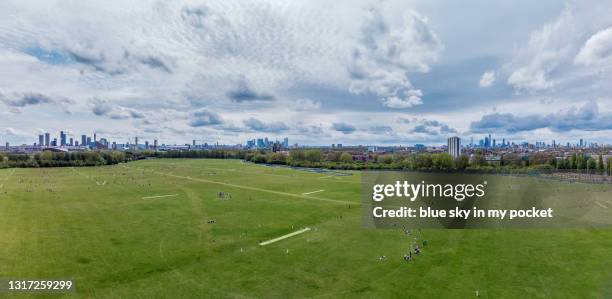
{"points": [[158, 228]]}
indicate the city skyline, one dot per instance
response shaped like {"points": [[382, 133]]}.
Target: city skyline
{"points": [[47, 139], [355, 72]]}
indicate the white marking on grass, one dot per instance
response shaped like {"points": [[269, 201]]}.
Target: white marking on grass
{"points": [[248, 187], [295, 233], [600, 204], [160, 196], [313, 192]]}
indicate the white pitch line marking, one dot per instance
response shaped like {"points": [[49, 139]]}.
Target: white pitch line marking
{"points": [[160, 196], [600, 204], [285, 236], [313, 192]]}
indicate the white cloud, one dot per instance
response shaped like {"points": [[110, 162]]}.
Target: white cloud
{"points": [[597, 51], [10, 131], [487, 79], [546, 60], [387, 52]]}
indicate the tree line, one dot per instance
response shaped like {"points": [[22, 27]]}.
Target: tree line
{"points": [[61, 159], [540, 162]]}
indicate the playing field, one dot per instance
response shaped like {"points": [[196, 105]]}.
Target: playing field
{"points": [[192, 228]]}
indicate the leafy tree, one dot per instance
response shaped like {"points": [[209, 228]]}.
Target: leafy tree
{"points": [[346, 158], [479, 160], [314, 155], [333, 156], [462, 162], [385, 159], [591, 164], [423, 161], [442, 161]]}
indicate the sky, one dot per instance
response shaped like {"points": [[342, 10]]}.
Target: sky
{"points": [[318, 72]]}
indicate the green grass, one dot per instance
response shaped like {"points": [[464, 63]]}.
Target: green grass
{"points": [[66, 222]]}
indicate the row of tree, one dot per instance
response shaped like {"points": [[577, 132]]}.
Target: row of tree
{"points": [[318, 158], [61, 159], [427, 161]]}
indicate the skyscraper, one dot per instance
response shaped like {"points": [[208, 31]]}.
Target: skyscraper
{"points": [[83, 140], [155, 144], [47, 139], [41, 140], [71, 141], [454, 146], [62, 138]]}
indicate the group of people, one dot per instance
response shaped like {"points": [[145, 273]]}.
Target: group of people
{"points": [[224, 195], [414, 246]]}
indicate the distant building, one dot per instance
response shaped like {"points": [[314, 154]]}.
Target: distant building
{"points": [[47, 139], [83, 139], [276, 147], [41, 140], [454, 146], [155, 144], [62, 138]]}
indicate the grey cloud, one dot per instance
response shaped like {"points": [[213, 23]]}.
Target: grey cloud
{"points": [[433, 127], [310, 130], [26, 99], [156, 63], [203, 118], [21, 100], [424, 129], [381, 130], [243, 92], [257, 125], [585, 118], [202, 17], [403, 120], [103, 108], [97, 60], [344, 128]]}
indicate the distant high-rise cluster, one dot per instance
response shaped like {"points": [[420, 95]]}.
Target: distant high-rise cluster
{"points": [[264, 143], [67, 143]]}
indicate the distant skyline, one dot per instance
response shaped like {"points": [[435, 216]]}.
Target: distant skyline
{"points": [[350, 72]]}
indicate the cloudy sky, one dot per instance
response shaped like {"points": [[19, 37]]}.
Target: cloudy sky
{"points": [[318, 72]]}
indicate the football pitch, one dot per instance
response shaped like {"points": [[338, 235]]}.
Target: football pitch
{"points": [[193, 228]]}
